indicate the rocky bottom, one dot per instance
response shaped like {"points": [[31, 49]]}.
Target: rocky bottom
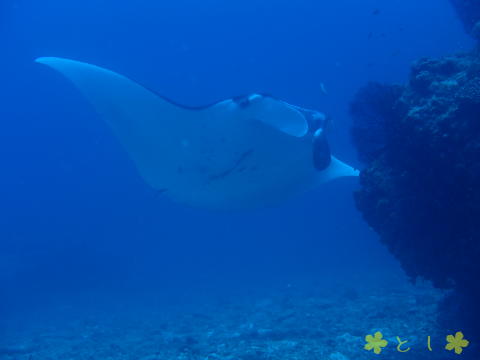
{"points": [[287, 323]]}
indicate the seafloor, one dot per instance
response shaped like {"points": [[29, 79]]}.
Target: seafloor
{"points": [[289, 322]]}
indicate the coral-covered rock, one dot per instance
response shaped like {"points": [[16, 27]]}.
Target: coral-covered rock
{"points": [[421, 192], [469, 94]]}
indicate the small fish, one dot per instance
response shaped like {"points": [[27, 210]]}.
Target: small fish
{"points": [[322, 89]]}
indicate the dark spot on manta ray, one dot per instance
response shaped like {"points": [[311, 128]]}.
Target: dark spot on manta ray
{"points": [[239, 161], [158, 192]]}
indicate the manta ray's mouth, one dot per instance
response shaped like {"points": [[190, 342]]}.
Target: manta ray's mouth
{"points": [[321, 150]]}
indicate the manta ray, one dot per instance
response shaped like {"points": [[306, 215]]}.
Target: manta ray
{"points": [[243, 152]]}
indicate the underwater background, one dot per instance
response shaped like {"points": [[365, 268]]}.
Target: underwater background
{"points": [[96, 265]]}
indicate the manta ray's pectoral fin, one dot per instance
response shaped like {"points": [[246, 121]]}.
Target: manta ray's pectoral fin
{"points": [[142, 121], [336, 169]]}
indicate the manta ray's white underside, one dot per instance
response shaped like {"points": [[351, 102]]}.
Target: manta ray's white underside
{"points": [[223, 156]]}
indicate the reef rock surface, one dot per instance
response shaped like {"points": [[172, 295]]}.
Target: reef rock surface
{"points": [[421, 191]]}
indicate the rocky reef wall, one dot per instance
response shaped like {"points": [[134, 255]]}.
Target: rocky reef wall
{"points": [[420, 190]]}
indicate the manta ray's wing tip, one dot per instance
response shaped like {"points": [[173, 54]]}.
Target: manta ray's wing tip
{"points": [[60, 63], [55, 62], [46, 60]]}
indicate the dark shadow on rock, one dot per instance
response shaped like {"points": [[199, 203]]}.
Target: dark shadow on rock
{"points": [[469, 13]]}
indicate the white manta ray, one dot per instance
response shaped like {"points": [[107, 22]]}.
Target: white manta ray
{"points": [[238, 153]]}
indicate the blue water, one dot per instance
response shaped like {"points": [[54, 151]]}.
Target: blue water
{"points": [[76, 219]]}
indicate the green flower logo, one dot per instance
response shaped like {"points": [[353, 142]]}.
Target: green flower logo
{"points": [[456, 343], [375, 342]]}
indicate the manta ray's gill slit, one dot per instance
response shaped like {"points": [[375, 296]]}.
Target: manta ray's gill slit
{"points": [[228, 171]]}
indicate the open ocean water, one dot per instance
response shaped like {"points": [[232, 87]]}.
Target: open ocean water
{"points": [[97, 264]]}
